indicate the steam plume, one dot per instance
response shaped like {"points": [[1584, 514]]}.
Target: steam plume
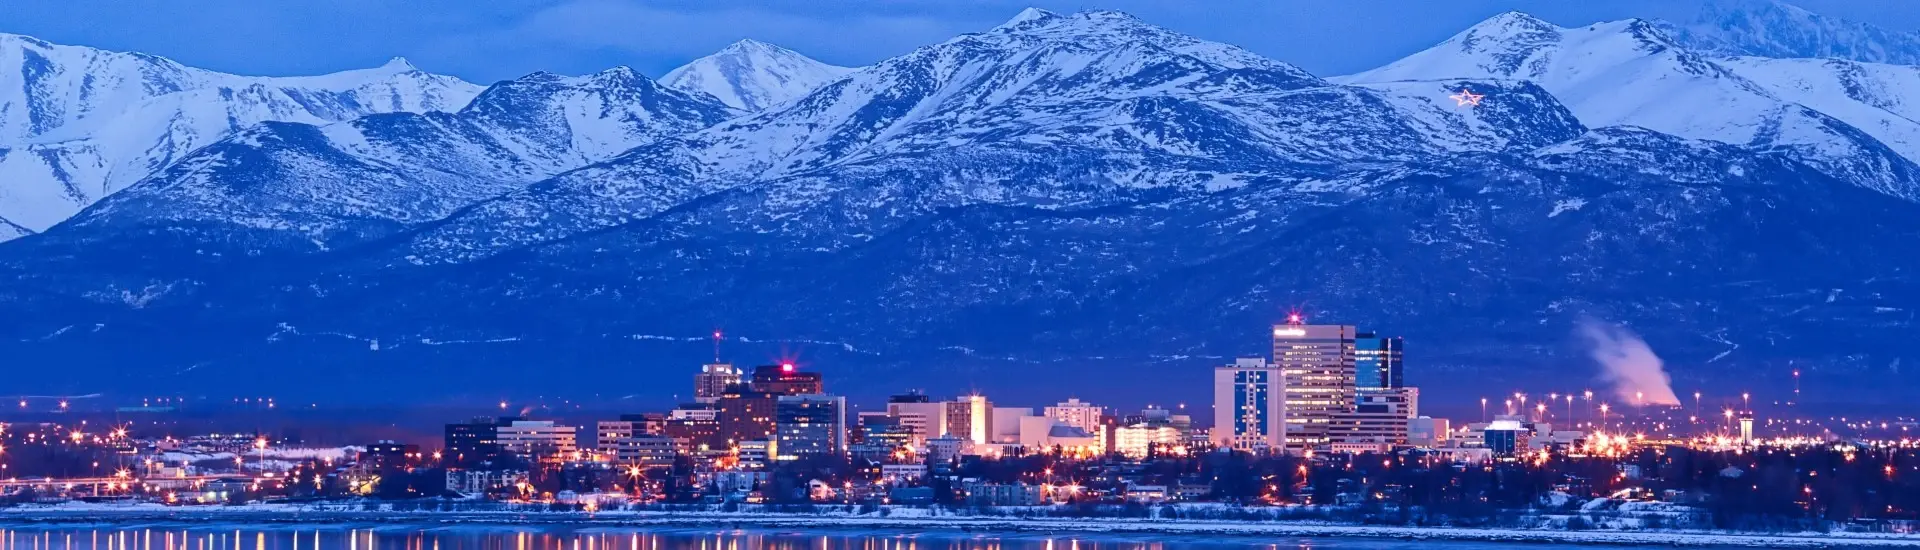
{"points": [[1626, 363]]}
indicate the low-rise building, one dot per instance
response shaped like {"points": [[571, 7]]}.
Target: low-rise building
{"points": [[474, 482], [537, 440], [1001, 494]]}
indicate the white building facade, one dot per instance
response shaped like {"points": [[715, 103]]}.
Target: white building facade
{"points": [[1249, 406]]}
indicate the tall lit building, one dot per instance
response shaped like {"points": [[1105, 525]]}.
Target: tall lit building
{"points": [[712, 381], [743, 414], [809, 426], [1249, 406], [1318, 362], [1377, 361], [970, 417]]}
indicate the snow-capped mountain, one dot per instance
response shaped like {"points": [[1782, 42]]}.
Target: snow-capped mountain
{"points": [[1062, 195], [1630, 73], [304, 187], [78, 124], [988, 118], [751, 75], [1773, 28], [1881, 100]]}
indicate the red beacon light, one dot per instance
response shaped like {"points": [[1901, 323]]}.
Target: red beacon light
{"points": [[786, 367]]}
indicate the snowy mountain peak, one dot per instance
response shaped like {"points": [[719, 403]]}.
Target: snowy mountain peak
{"points": [[751, 75], [1771, 28], [1026, 16], [620, 73], [749, 46], [1509, 21], [398, 65]]}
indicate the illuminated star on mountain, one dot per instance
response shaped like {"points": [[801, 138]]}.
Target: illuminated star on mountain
{"points": [[1466, 97]]}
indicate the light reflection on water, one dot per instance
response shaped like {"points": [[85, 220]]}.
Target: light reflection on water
{"points": [[290, 537]]}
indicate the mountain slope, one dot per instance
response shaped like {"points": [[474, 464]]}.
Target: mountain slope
{"points": [[1776, 29], [1058, 198], [1630, 73], [78, 124], [751, 76], [1050, 110], [298, 187], [1881, 100], [10, 230]]}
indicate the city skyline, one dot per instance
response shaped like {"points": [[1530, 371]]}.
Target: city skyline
{"points": [[1633, 272]]}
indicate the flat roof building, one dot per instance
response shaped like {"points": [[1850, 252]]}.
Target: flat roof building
{"points": [[1249, 408]]}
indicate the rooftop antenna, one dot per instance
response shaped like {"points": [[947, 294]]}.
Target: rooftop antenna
{"points": [[716, 346]]}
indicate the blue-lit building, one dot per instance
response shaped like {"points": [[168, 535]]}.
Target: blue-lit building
{"points": [[811, 425], [1378, 362], [1249, 406]]}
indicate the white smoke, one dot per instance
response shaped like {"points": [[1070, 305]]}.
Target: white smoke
{"points": [[1636, 374]]}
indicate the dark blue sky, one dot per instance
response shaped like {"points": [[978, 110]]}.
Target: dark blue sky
{"points": [[490, 40]]}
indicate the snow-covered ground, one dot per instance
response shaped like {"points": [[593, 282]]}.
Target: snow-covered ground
{"points": [[914, 519]]}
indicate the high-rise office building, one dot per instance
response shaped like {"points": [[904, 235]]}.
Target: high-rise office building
{"points": [[746, 411], [1318, 362], [1249, 406], [970, 417], [474, 442], [810, 426], [1377, 361], [786, 379], [745, 414], [712, 381]]}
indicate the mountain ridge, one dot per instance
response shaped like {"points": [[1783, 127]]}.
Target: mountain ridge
{"points": [[1083, 192], [78, 124], [1630, 73]]}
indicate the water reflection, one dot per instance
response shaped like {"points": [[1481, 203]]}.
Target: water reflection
{"points": [[466, 538], [537, 538]]}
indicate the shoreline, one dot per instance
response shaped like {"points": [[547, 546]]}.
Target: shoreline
{"points": [[96, 516]]}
